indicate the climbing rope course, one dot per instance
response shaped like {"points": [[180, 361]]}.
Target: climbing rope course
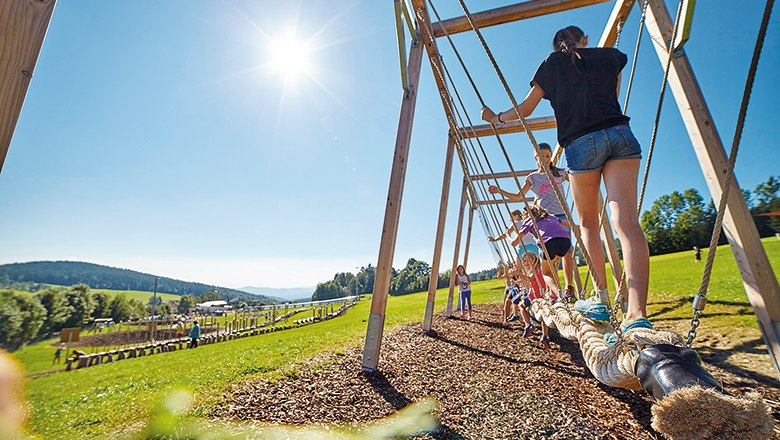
{"points": [[634, 361]]}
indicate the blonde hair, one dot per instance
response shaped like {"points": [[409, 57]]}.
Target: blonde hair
{"points": [[534, 211]]}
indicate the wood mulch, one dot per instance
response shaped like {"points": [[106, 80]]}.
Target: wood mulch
{"points": [[490, 384]]}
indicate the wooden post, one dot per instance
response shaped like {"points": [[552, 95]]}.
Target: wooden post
{"points": [[445, 195], [758, 277], [376, 319], [468, 238], [456, 252], [23, 26], [612, 253]]}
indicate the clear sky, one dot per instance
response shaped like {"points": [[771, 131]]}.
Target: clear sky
{"points": [[171, 136]]}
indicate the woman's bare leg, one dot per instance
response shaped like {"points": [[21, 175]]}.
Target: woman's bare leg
{"points": [[620, 178], [585, 190]]}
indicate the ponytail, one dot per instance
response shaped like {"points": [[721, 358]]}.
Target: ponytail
{"points": [[568, 40]]}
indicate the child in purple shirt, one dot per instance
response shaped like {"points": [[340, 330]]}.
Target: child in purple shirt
{"points": [[553, 233]]}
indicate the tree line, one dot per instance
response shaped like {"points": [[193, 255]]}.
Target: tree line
{"points": [[681, 220], [67, 273], [414, 277], [26, 316]]}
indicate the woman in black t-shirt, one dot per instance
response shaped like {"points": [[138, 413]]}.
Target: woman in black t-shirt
{"points": [[582, 85]]}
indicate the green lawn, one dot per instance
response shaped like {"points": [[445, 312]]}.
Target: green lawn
{"points": [[137, 294], [100, 401]]}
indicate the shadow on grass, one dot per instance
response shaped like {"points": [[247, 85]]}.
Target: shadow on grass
{"points": [[720, 358]]}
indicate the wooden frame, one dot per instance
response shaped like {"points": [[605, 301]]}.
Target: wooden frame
{"points": [[456, 251], [23, 26]]}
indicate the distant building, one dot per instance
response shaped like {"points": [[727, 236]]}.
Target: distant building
{"points": [[212, 306]]}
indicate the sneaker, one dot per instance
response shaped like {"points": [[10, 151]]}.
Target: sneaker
{"points": [[611, 338], [528, 330], [569, 293], [581, 305], [505, 324], [513, 318], [597, 311], [545, 341]]}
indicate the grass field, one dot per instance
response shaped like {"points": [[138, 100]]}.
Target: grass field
{"points": [[101, 401]]}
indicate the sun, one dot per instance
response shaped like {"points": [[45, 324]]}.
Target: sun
{"points": [[289, 57]]}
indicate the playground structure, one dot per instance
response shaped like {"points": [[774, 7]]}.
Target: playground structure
{"points": [[25, 22], [638, 355]]}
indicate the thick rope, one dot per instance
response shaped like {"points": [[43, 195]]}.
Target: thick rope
{"points": [[729, 173]]}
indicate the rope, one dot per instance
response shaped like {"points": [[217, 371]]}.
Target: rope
{"points": [[506, 156], [729, 173], [535, 145]]}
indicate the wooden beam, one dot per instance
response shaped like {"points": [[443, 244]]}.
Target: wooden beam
{"points": [[384, 267], [468, 239], [509, 127], [23, 26], [503, 201], [445, 195], [616, 19], [456, 252], [507, 14], [758, 277], [502, 175]]}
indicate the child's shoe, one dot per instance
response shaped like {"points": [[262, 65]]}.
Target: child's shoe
{"points": [[596, 311], [569, 294], [611, 338], [528, 330], [545, 341], [581, 305]]}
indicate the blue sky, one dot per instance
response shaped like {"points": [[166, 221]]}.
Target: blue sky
{"points": [[158, 136]]}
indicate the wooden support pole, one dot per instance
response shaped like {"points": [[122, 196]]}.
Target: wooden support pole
{"points": [[456, 252], [445, 196], [376, 319], [23, 26], [507, 14], [618, 16], [468, 238], [758, 277]]}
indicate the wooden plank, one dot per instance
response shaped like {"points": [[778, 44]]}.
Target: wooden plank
{"points": [[503, 201], [445, 195], [502, 175], [509, 127], [468, 239], [620, 12], [456, 251], [758, 277], [507, 14], [395, 192], [23, 25]]}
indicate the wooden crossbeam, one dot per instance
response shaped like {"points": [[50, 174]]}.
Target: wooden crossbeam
{"points": [[503, 175], [507, 14], [503, 201], [516, 126]]}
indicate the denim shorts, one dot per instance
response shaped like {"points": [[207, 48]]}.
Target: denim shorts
{"points": [[590, 152]]}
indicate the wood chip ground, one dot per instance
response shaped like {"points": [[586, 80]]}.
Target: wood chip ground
{"points": [[490, 384]]}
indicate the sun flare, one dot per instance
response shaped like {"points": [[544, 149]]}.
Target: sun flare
{"points": [[289, 57]]}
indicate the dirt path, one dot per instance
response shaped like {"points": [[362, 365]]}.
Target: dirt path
{"points": [[490, 383]]}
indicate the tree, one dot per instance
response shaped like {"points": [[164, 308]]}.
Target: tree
{"points": [[767, 200], [57, 309], [21, 317], [676, 222], [102, 305], [121, 308], [412, 278], [81, 303], [210, 296], [186, 302]]}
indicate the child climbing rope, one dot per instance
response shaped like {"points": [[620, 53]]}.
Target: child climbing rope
{"points": [[545, 197], [582, 85], [464, 288]]}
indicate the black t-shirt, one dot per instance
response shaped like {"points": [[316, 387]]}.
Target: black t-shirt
{"points": [[584, 97]]}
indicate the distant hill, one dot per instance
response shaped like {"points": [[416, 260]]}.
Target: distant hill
{"points": [[66, 273], [284, 294]]}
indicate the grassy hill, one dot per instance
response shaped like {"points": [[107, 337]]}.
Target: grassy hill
{"points": [[67, 273], [96, 399]]}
